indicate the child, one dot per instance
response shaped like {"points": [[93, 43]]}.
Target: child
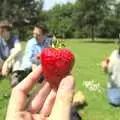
{"points": [[112, 66]]}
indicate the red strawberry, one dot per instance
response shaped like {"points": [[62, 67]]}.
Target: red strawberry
{"points": [[56, 64]]}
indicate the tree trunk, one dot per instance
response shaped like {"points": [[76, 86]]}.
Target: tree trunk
{"points": [[93, 33]]}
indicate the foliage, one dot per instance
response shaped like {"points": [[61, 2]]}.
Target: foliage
{"points": [[85, 18], [81, 19], [20, 12]]}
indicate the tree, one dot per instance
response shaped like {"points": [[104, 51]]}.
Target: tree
{"points": [[91, 13], [117, 10], [20, 12], [60, 20]]}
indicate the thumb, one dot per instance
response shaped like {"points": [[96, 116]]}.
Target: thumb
{"points": [[62, 107]]}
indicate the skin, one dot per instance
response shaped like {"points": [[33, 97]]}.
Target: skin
{"points": [[105, 65], [38, 34], [47, 104]]}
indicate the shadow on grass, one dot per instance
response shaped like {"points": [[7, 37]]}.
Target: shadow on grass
{"points": [[75, 115], [1, 78], [81, 106], [115, 106]]}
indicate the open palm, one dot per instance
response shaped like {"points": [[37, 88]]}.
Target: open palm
{"points": [[47, 104]]}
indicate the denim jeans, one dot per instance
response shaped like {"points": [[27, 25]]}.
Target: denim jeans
{"points": [[114, 96]]}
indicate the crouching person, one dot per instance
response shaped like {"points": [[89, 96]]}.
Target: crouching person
{"points": [[10, 49], [112, 66]]}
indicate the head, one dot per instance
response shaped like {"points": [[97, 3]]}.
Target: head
{"points": [[39, 32], [4, 29]]}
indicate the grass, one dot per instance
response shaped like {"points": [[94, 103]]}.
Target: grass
{"points": [[87, 67]]}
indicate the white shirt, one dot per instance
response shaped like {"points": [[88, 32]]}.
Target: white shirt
{"points": [[114, 70]]}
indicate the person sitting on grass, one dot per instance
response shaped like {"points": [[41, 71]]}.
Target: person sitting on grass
{"points": [[33, 48], [10, 49], [112, 66]]}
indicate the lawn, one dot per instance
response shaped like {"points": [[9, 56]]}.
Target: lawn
{"points": [[87, 68]]}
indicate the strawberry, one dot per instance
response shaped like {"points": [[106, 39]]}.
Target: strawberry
{"points": [[56, 64]]}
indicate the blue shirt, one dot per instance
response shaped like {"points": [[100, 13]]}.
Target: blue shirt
{"points": [[14, 39], [32, 49], [6, 47]]}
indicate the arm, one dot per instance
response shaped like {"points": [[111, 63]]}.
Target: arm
{"points": [[3, 50], [14, 52], [108, 63], [27, 63], [105, 64]]}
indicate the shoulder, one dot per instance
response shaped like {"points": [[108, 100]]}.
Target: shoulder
{"points": [[15, 36], [14, 39], [31, 42], [47, 40], [114, 57], [114, 53]]}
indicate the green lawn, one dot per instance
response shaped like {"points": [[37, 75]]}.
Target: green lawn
{"points": [[87, 67]]}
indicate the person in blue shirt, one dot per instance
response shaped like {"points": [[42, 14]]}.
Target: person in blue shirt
{"points": [[34, 46], [10, 48]]}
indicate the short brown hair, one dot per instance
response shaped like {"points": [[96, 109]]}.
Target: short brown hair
{"points": [[42, 27]]}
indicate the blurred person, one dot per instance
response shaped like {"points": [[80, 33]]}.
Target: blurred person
{"points": [[111, 66], [10, 49]]}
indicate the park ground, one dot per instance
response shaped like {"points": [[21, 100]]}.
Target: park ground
{"points": [[89, 78]]}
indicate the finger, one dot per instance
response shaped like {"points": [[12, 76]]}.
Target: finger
{"points": [[48, 105], [19, 93], [39, 99], [63, 102], [27, 84]]}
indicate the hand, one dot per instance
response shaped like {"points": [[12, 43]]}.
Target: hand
{"points": [[47, 104], [105, 64], [34, 67], [5, 69]]}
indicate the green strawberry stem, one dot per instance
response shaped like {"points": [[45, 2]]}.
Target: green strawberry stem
{"points": [[58, 43]]}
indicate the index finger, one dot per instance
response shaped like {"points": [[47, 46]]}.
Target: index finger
{"points": [[19, 93]]}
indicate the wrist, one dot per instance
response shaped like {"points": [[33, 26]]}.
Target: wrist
{"points": [[7, 61]]}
